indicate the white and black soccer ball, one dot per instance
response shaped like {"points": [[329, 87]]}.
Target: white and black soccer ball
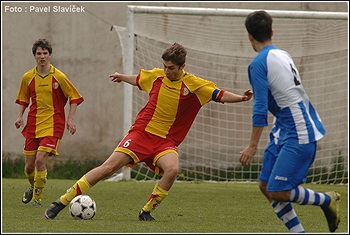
{"points": [[82, 207]]}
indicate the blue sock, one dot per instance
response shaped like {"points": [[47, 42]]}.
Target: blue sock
{"points": [[285, 211], [305, 196]]}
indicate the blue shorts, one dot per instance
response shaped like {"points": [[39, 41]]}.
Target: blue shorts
{"points": [[286, 166]]}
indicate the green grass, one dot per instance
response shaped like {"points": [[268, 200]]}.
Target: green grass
{"points": [[191, 207]]}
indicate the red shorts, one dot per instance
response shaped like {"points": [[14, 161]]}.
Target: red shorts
{"points": [[145, 147], [47, 144]]}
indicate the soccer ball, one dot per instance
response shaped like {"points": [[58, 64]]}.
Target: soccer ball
{"points": [[82, 207]]}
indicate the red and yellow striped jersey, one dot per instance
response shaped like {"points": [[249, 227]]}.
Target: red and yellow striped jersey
{"points": [[48, 95], [172, 105]]}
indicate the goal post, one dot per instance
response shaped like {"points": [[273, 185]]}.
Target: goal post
{"points": [[134, 9], [219, 50]]}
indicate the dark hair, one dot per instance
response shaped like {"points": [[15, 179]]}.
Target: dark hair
{"points": [[176, 54], [259, 25], [43, 43]]}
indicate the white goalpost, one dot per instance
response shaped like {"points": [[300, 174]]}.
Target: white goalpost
{"points": [[218, 50]]}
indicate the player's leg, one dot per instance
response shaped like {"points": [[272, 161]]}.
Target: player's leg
{"points": [[169, 164], [40, 177], [269, 160], [284, 210], [29, 151], [328, 201], [47, 147], [29, 171], [115, 161], [291, 171]]}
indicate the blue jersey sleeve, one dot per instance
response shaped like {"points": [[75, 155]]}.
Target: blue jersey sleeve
{"points": [[257, 72]]}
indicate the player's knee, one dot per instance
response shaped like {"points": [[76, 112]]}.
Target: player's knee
{"points": [[262, 187], [29, 168], [41, 158], [172, 172], [282, 196], [40, 163]]}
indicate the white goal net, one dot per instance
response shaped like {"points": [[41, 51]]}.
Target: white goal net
{"points": [[218, 49]]}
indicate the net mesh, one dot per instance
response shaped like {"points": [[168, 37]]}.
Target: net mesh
{"points": [[218, 49]]}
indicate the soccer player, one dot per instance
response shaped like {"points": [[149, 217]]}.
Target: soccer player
{"points": [[175, 97], [277, 88], [48, 90]]}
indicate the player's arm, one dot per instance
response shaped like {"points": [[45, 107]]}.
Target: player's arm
{"points": [[19, 121], [259, 121], [248, 153], [230, 97], [70, 119], [118, 77]]}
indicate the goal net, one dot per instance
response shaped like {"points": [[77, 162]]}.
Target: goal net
{"points": [[218, 49]]}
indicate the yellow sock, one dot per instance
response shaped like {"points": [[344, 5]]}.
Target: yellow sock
{"points": [[155, 199], [80, 187], [39, 183], [30, 177]]}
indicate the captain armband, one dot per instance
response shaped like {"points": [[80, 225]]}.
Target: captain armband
{"points": [[217, 95]]}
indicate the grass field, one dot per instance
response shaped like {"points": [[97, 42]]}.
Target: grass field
{"points": [[191, 207]]}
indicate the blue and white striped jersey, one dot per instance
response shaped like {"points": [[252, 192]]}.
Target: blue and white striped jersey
{"points": [[277, 88]]}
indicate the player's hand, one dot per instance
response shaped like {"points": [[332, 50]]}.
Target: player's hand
{"points": [[116, 77], [247, 155], [71, 126], [19, 122], [248, 94]]}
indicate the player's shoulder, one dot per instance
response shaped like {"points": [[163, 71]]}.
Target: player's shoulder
{"points": [[30, 73], [153, 72], [278, 56], [267, 53], [190, 76], [194, 82], [57, 72]]}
